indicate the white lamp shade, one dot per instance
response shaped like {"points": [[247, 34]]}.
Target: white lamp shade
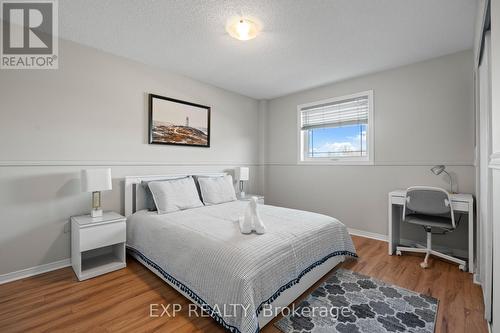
{"points": [[242, 173], [96, 180]]}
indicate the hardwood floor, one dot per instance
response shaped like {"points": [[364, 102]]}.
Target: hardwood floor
{"points": [[120, 301]]}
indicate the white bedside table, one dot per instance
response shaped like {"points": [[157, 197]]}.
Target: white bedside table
{"points": [[260, 198], [97, 244]]}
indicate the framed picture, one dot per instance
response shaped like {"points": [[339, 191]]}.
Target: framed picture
{"points": [[176, 122]]}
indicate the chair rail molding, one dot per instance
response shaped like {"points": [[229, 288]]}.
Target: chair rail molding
{"points": [[381, 163], [36, 163]]}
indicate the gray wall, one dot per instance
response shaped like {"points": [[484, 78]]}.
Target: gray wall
{"points": [[423, 115], [93, 112]]}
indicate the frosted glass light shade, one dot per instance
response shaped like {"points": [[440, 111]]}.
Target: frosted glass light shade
{"points": [[242, 173], [242, 29], [94, 180]]}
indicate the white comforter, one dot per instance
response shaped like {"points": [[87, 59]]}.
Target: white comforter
{"points": [[202, 251]]}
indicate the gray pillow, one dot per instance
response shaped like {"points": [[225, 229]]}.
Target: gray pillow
{"points": [[148, 199], [216, 190], [175, 194]]}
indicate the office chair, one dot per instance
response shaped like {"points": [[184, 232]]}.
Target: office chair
{"points": [[431, 208]]}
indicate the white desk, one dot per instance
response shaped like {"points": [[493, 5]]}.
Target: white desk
{"points": [[461, 203]]}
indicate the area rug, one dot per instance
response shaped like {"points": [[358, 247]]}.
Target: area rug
{"points": [[349, 302]]}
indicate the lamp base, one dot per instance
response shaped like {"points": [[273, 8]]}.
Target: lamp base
{"points": [[96, 213], [242, 189], [96, 204]]}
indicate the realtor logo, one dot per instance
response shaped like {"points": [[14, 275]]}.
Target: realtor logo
{"points": [[29, 34]]}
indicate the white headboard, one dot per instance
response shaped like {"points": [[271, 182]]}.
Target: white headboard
{"points": [[134, 193]]}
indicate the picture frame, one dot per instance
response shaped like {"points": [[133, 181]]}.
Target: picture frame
{"points": [[177, 122]]}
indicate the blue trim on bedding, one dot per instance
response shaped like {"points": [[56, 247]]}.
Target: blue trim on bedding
{"points": [[187, 290], [293, 282], [205, 305]]}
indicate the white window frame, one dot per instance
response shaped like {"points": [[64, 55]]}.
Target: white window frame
{"points": [[348, 160]]}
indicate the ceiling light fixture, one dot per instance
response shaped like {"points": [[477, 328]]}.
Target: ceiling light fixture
{"points": [[242, 29]]}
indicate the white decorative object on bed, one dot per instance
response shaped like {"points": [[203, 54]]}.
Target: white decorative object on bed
{"points": [[216, 190], [252, 221], [201, 253], [175, 194]]}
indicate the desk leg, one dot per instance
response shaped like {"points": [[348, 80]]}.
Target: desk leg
{"points": [[394, 222], [470, 215]]}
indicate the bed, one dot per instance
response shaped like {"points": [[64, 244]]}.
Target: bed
{"points": [[241, 281]]}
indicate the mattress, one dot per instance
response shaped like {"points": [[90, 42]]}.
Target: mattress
{"points": [[203, 253]]}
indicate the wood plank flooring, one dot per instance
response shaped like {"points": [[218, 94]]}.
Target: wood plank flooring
{"points": [[120, 301]]}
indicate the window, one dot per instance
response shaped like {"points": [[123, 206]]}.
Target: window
{"points": [[337, 130]]}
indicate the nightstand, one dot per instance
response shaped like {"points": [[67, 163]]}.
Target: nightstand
{"points": [[97, 244], [260, 198]]}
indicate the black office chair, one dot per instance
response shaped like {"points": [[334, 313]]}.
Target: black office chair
{"points": [[431, 208]]}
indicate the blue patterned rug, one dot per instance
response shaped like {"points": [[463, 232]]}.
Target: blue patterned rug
{"points": [[348, 302]]}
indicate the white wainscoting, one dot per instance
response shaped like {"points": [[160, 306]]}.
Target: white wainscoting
{"points": [[40, 269], [38, 199]]}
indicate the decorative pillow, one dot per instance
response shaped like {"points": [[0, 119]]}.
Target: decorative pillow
{"points": [[175, 194], [197, 182], [149, 202], [216, 190]]}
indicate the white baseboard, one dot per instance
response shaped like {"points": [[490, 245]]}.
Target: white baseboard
{"points": [[367, 234], [475, 279], [27, 272]]}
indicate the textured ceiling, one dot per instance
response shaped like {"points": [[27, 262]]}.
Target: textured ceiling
{"points": [[303, 43]]}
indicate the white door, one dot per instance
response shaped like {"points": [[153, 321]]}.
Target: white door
{"points": [[485, 252]]}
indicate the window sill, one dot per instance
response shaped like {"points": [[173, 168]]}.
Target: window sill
{"points": [[338, 162]]}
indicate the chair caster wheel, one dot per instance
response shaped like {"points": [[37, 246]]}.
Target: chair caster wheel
{"points": [[398, 253], [462, 268], [424, 264]]}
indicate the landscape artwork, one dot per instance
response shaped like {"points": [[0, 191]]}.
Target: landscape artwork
{"points": [[176, 122]]}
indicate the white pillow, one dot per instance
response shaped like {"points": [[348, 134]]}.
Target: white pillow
{"points": [[176, 194], [216, 190]]}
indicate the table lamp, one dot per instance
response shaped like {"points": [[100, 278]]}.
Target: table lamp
{"points": [[439, 169], [242, 175], [95, 181]]}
